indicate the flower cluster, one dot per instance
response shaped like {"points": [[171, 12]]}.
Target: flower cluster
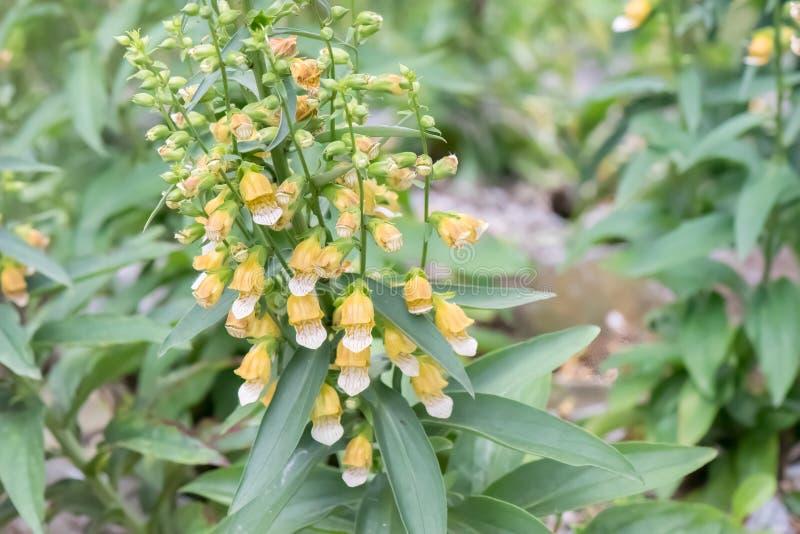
{"points": [[284, 186], [13, 273]]}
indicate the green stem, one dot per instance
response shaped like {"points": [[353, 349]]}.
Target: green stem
{"points": [[363, 217], [779, 85], [674, 52], [426, 212]]}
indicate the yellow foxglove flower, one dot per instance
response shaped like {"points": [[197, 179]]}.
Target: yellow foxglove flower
{"points": [[212, 258], [454, 231], [357, 461], [255, 369], [266, 400], [305, 316], [242, 127], [428, 386], [357, 317], [302, 263], [635, 13], [476, 226], [401, 178], [328, 263], [13, 284], [326, 415], [218, 225], [221, 131], [390, 83], [284, 47], [260, 197], [354, 369], [452, 322], [761, 46], [209, 287], [348, 223], [238, 327], [418, 293], [263, 326], [343, 198], [289, 190], [400, 350], [368, 146], [386, 236], [33, 237], [215, 203], [306, 107], [379, 201], [306, 73], [248, 280]]}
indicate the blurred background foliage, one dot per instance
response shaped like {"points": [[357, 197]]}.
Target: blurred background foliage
{"points": [[661, 134]]}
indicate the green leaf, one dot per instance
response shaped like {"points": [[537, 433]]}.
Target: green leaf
{"points": [[389, 302], [771, 324], [22, 461], [752, 493], [755, 203], [491, 298], [378, 131], [206, 82], [692, 239], [410, 463], [283, 424], [278, 488], [662, 518], [154, 439], [530, 430], [378, 512], [562, 487], [636, 177], [15, 354], [319, 494], [217, 485], [480, 514], [17, 164], [101, 330], [719, 136], [87, 97], [17, 248], [196, 320], [505, 370], [690, 97], [628, 87], [696, 413], [703, 340]]}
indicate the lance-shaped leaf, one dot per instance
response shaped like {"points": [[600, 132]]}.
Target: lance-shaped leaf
{"points": [[196, 320], [663, 518], [282, 426], [488, 297], [15, 353], [561, 487], [531, 430], [100, 330], [378, 512], [409, 460], [22, 461], [276, 490], [480, 513], [15, 247], [389, 302]]}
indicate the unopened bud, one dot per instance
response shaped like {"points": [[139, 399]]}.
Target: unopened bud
{"points": [[168, 43], [447, 166], [360, 160], [176, 82], [239, 252], [124, 40], [334, 148], [424, 165], [337, 12], [326, 33], [229, 16], [205, 12], [303, 138], [170, 154], [202, 51], [179, 139], [144, 100], [235, 58], [190, 234], [159, 131], [188, 208], [426, 121], [191, 9], [368, 18]]}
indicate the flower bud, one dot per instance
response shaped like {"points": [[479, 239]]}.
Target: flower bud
{"points": [[169, 154], [447, 166], [191, 9], [190, 234], [229, 16], [168, 43], [178, 139], [283, 47], [337, 12], [360, 160], [426, 121], [387, 83], [144, 99], [206, 12], [303, 138], [424, 165], [159, 131], [368, 18], [333, 149], [234, 58], [202, 51]]}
